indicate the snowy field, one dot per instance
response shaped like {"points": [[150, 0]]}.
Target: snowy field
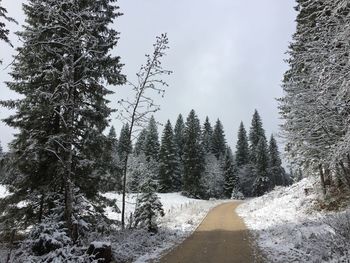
{"points": [[182, 217], [288, 228]]}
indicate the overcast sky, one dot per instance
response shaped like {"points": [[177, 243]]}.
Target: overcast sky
{"points": [[227, 57]]}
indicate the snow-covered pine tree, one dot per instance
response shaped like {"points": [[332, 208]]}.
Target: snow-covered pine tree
{"points": [[124, 147], [276, 172], [262, 181], [315, 105], [256, 132], [112, 179], [218, 141], [231, 180], [242, 148], [139, 147], [179, 136], [207, 133], [61, 71], [193, 157], [179, 139], [169, 177], [137, 172], [212, 180], [148, 207], [152, 141]]}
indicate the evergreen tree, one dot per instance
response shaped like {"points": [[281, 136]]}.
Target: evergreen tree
{"points": [[61, 71], [111, 181], [231, 180], [179, 139], [218, 141], [242, 150], [212, 180], [152, 141], [148, 207], [255, 134], [124, 143], [140, 143], [262, 181], [277, 173], [169, 178], [207, 134], [179, 136], [193, 157]]}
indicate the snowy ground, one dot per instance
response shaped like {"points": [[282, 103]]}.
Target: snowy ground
{"points": [[289, 228], [182, 216]]}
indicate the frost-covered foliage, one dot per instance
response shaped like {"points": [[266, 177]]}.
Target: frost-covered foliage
{"points": [[148, 207], [139, 171], [231, 180], [288, 228], [315, 105], [169, 172], [152, 144], [218, 141], [237, 195], [262, 181], [207, 133], [61, 71], [193, 157], [213, 178]]}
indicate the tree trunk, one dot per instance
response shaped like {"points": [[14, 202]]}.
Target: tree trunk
{"points": [[41, 208], [124, 190], [322, 179]]}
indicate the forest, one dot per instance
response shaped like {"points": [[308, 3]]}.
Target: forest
{"points": [[66, 158]]}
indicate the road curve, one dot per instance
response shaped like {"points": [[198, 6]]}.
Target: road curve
{"points": [[222, 237]]}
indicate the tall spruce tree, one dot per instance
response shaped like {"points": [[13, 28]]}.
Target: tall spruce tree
{"points": [[124, 143], [207, 133], [262, 181], [112, 179], [242, 148], [218, 141], [61, 71], [139, 147], [169, 178], [193, 157], [277, 173], [152, 141], [231, 180], [255, 134], [179, 136]]}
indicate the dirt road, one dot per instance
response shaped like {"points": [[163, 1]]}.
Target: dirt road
{"points": [[221, 238]]}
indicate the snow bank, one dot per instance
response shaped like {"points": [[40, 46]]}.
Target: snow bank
{"points": [[289, 229]]}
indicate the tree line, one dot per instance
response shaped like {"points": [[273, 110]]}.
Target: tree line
{"points": [[196, 160]]}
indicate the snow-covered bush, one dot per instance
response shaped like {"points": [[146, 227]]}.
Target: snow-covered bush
{"points": [[237, 195], [148, 207]]}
